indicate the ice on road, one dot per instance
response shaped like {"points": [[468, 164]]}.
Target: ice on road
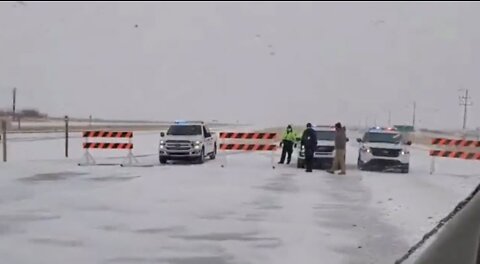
{"points": [[53, 211]]}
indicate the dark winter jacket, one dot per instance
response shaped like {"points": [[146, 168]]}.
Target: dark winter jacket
{"points": [[309, 140]]}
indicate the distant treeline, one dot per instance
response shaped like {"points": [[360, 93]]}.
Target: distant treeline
{"points": [[23, 113]]}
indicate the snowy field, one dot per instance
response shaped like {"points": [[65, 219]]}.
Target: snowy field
{"points": [[53, 211]]}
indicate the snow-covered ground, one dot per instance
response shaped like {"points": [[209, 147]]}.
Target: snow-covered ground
{"points": [[53, 211]]}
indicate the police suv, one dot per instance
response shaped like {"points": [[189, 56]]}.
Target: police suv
{"points": [[324, 153], [187, 140], [383, 149]]}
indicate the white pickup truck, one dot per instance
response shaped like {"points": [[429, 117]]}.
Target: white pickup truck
{"points": [[187, 140]]}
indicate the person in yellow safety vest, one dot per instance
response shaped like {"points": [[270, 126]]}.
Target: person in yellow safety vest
{"points": [[288, 141]]}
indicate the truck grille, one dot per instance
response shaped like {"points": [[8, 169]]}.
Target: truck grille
{"points": [[178, 145], [381, 152], [324, 149]]}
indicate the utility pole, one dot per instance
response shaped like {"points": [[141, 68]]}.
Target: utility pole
{"points": [[4, 139], [66, 136], [14, 102], [414, 113], [465, 101]]}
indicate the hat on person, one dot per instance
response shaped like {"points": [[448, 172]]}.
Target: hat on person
{"points": [[309, 125]]}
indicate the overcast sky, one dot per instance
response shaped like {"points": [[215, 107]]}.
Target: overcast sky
{"points": [[269, 63]]}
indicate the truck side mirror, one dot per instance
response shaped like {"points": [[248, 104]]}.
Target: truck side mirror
{"points": [[409, 143], [162, 134], [359, 140]]}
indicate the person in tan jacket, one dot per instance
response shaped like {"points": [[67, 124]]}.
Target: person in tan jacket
{"points": [[340, 150]]}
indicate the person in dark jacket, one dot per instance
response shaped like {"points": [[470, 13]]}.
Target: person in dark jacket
{"points": [[288, 141], [309, 141]]}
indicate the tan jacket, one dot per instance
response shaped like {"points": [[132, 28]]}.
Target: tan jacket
{"points": [[340, 139]]}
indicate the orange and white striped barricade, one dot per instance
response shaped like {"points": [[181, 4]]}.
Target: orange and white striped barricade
{"points": [[454, 148], [247, 142], [87, 146]]}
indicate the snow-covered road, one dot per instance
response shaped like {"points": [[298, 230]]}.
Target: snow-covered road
{"points": [[53, 211]]}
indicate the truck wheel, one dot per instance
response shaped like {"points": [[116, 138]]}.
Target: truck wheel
{"points": [[214, 154], [163, 160], [201, 159], [300, 164], [360, 164]]}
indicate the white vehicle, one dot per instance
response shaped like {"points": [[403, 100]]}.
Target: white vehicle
{"points": [[325, 152], [187, 140], [383, 149]]}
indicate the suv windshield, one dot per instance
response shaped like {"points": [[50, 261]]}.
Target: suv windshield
{"points": [[382, 138], [325, 135], [189, 130]]}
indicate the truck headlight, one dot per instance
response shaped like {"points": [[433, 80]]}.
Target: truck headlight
{"points": [[162, 144], [405, 152], [366, 149], [302, 151], [197, 144]]}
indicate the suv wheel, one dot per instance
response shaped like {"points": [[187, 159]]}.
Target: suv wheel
{"points": [[201, 159], [214, 153], [163, 160]]}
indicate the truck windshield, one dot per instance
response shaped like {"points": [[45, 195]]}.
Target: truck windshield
{"points": [[185, 130], [325, 135], [382, 138]]}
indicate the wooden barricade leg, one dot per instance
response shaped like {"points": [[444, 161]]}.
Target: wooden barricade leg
{"points": [[224, 159], [223, 154], [272, 158], [130, 159], [87, 157], [432, 166], [272, 152]]}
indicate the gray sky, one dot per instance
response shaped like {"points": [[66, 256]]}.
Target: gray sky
{"points": [[266, 63]]}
